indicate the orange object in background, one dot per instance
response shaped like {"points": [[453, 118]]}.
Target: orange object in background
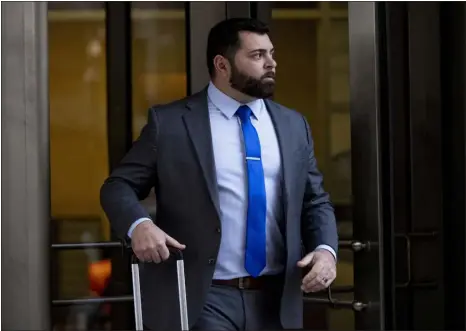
{"points": [[99, 275]]}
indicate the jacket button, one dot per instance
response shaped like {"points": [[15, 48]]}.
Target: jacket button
{"points": [[211, 261], [219, 230]]}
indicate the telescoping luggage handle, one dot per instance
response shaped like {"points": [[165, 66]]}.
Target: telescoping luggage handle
{"points": [[178, 255]]}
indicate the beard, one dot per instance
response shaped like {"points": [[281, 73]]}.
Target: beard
{"points": [[256, 88]]}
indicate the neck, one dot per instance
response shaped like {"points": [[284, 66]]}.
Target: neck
{"points": [[233, 93]]}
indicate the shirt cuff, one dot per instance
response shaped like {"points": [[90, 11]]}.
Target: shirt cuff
{"points": [[328, 248], [133, 226]]}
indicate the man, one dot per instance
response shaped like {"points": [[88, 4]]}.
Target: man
{"points": [[238, 190]]}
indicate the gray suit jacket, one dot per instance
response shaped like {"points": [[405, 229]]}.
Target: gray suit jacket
{"points": [[174, 155]]}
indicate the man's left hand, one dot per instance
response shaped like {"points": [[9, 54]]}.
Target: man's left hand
{"points": [[322, 273]]}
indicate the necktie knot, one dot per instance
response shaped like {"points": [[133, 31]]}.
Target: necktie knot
{"points": [[244, 113]]}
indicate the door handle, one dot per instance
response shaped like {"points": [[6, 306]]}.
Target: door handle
{"points": [[354, 245], [355, 305], [407, 238]]}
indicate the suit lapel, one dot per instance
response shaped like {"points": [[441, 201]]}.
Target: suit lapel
{"points": [[284, 135], [197, 124]]}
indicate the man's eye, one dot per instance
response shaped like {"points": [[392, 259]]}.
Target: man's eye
{"points": [[257, 56]]}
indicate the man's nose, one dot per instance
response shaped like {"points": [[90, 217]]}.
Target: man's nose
{"points": [[270, 63]]}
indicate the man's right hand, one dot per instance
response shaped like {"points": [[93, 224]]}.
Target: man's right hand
{"points": [[150, 243]]}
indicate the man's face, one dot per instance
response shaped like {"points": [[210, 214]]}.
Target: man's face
{"points": [[253, 67]]}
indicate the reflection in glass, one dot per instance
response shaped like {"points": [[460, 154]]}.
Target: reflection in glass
{"points": [[158, 61], [158, 56], [78, 150], [313, 77], [78, 111], [78, 132]]}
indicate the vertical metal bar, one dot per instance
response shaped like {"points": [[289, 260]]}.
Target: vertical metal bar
{"points": [[426, 157], [462, 27], [365, 144], [182, 295], [202, 17], [119, 93], [453, 79], [137, 296], [25, 167], [119, 127], [394, 94]]}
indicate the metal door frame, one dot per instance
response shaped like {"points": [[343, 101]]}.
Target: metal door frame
{"points": [[453, 54], [364, 48]]}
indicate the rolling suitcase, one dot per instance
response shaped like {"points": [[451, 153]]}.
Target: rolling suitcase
{"points": [[181, 290]]}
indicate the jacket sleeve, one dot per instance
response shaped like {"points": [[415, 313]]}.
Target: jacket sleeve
{"points": [[318, 224], [132, 180]]}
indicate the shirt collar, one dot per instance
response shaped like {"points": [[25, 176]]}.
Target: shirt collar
{"points": [[228, 106]]}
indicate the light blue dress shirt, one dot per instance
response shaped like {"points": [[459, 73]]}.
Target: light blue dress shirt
{"points": [[227, 141]]}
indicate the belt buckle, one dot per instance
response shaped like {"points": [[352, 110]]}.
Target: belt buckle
{"points": [[241, 283]]}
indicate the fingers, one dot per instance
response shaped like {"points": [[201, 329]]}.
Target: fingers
{"points": [[306, 260], [322, 274], [145, 253], [150, 256], [174, 243], [318, 284], [163, 251], [312, 278], [153, 252], [150, 244]]}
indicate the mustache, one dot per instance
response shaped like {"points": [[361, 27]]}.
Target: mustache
{"points": [[270, 74]]}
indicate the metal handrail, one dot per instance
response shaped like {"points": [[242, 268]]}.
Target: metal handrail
{"points": [[335, 303], [69, 302], [354, 245], [90, 245], [355, 305]]}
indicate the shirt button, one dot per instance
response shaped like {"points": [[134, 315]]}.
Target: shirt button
{"points": [[211, 261]]}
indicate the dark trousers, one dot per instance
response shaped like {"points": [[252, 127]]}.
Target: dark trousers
{"points": [[228, 308]]}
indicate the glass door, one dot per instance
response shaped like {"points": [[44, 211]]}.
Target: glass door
{"points": [[326, 70], [108, 63]]}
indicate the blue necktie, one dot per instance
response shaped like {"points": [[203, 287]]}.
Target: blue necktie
{"points": [[255, 257]]}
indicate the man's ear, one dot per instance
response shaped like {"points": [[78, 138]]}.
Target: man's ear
{"points": [[222, 66]]}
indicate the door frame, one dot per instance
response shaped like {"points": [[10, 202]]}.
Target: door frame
{"points": [[364, 49]]}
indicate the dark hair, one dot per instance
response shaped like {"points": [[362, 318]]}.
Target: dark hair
{"points": [[224, 38]]}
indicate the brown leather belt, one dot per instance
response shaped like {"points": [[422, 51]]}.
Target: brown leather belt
{"points": [[246, 283]]}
